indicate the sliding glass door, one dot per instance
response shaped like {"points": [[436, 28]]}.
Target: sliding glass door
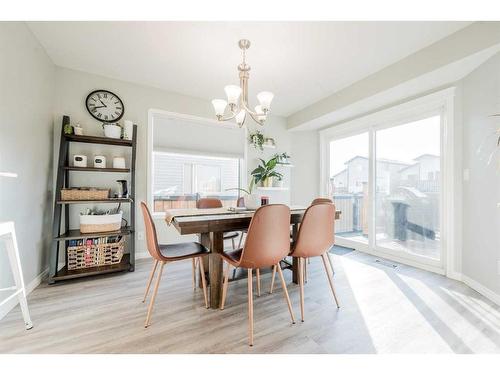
{"points": [[408, 189], [349, 164], [386, 180]]}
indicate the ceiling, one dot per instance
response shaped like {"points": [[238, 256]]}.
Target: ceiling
{"points": [[301, 62]]}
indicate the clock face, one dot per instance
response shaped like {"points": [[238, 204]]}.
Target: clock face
{"points": [[105, 106]]}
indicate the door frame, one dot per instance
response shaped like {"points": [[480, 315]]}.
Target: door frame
{"points": [[441, 102]]}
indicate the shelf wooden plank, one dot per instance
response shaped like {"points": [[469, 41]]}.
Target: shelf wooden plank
{"points": [[91, 169], [99, 140], [65, 274], [75, 234], [110, 200]]}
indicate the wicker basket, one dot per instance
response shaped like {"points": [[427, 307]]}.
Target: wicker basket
{"points": [[81, 194], [85, 256]]}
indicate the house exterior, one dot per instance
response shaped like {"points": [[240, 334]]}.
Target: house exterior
{"points": [[424, 174], [351, 179]]}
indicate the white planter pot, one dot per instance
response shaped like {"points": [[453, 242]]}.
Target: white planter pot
{"points": [[268, 182], [252, 201], [112, 131]]}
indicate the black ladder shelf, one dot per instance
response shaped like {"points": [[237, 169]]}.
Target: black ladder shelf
{"points": [[61, 209]]}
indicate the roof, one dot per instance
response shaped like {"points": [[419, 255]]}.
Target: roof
{"points": [[381, 160], [426, 156]]}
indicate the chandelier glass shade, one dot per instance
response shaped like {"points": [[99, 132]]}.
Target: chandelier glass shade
{"points": [[236, 106]]}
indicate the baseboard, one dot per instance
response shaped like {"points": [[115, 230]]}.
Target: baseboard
{"points": [[5, 309], [481, 289], [454, 275]]}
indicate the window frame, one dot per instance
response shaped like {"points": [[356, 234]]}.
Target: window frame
{"points": [[440, 102], [202, 122]]}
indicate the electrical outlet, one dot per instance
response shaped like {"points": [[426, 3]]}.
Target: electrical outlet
{"points": [[140, 236]]}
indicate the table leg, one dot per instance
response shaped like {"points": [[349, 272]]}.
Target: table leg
{"points": [[295, 260], [204, 239], [215, 268]]}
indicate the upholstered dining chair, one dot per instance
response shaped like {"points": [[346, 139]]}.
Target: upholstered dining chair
{"points": [[217, 203], [321, 200], [315, 238], [163, 254], [267, 242]]}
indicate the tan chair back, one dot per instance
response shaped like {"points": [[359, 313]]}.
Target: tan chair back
{"points": [[321, 200], [317, 231], [151, 237], [268, 238], [208, 203]]}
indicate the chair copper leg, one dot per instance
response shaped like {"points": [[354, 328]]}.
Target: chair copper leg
{"points": [[285, 291], [151, 275], [330, 280], [257, 271], [203, 281], [250, 307], [301, 286], [330, 261], [304, 266], [194, 273], [224, 287], [272, 279], [153, 297]]}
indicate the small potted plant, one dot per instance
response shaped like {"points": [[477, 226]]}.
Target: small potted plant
{"points": [[257, 140], [283, 158]]}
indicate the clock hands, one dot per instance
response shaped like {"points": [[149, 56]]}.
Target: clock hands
{"points": [[102, 103]]}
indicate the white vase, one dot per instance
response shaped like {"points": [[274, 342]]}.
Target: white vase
{"points": [[112, 131], [128, 129], [268, 182], [252, 201]]}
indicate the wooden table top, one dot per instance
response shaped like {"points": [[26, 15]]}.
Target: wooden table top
{"points": [[188, 222]]}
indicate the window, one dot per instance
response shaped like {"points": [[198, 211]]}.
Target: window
{"points": [[179, 179]]}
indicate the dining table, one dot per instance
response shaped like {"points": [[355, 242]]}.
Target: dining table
{"points": [[211, 224]]}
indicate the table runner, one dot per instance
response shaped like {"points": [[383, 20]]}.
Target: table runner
{"points": [[170, 215]]}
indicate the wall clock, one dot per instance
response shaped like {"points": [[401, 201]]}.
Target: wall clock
{"points": [[103, 105]]}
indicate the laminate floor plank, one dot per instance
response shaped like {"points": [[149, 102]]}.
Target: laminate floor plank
{"points": [[384, 309]]}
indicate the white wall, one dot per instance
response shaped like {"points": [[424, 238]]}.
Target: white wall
{"points": [[26, 94], [72, 87], [188, 135], [481, 194], [305, 177]]}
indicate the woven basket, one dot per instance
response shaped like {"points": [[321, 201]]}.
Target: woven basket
{"points": [[86, 256], [100, 223], [79, 194]]}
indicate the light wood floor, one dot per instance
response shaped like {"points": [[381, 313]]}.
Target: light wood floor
{"points": [[383, 310]]}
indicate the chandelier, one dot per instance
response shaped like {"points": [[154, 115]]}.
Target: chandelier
{"points": [[237, 97]]}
